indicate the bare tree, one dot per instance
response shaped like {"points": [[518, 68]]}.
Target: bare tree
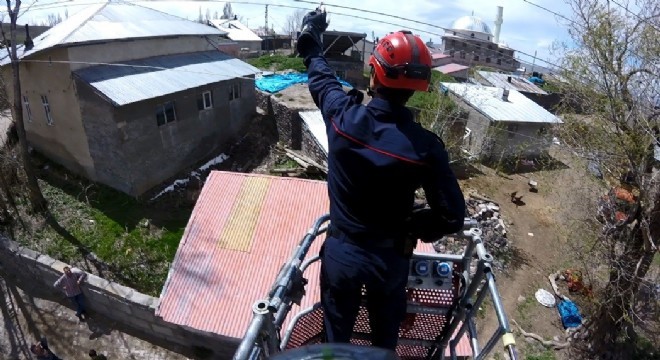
{"points": [[36, 197], [227, 12], [294, 22], [54, 19], [611, 72]]}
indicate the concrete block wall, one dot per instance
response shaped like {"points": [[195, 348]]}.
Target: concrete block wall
{"points": [[131, 309]]}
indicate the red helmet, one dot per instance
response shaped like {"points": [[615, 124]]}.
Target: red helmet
{"points": [[401, 60]]}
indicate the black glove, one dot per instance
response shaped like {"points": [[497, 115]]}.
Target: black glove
{"points": [[427, 226], [309, 42]]}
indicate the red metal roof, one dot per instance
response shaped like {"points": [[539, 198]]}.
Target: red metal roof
{"points": [[437, 56], [243, 228], [451, 68]]}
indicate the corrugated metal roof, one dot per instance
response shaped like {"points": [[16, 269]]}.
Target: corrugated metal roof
{"points": [[439, 56], [315, 123], [488, 101], [656, 152], [517, 82], [162, 75], [451, 68], [243, 228], [112, 21], [235, 30]]}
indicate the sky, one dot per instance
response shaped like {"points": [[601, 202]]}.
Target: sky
{"points": [[526, 27]]}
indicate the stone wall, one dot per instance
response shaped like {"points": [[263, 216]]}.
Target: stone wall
{"points": [[133, 310], [291, 130]]}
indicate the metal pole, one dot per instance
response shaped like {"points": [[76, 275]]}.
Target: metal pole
{"points": [[260, 311], [292, 324], [474, 341]]}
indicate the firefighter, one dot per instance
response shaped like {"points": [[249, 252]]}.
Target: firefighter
{"points": [[378, 157]]}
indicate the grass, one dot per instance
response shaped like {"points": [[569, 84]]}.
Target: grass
{"points": [[134, 242], [543, 355], [524, 310], [278, 63]]}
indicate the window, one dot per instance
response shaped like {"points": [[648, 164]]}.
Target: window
{"points": [[490, 47], [476, 58], [453, 43], [499, 61], [451, 53], [464, 44], [28, 111], [205, 101], [165, 113], [472, 35], [488, 60], [543, 131], [462, 54], [454, 33], [44, 102], [234, 91]]}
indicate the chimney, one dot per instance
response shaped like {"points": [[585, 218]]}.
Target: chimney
{"points": [[508, 79], [498, 24], [505, 95], [29, 44]]}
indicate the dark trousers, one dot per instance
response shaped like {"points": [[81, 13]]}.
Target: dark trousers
{"points": [[345, 267], [78, 300]]}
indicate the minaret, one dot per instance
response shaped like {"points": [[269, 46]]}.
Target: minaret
{"points": [[498, 24]]}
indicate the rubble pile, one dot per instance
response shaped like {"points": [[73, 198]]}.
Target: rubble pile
{"points": [[494, 234]]}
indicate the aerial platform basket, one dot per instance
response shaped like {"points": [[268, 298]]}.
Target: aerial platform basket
{"points": [[443, 299]]}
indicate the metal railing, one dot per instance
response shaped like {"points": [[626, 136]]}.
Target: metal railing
{"points": [[263, 338]]}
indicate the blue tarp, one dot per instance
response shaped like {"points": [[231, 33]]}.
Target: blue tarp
{"points": [[279, 82], [570, 315]]}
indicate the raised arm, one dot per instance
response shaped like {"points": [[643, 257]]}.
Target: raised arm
{"points": [[326, 90]]}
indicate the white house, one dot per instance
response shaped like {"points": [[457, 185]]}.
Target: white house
{"points": [[502, 122], [247, 39]]}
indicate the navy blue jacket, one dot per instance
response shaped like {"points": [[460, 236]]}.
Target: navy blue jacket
{"points": [[377, 157]]}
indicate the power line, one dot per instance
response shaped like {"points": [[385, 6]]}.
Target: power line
{"points": [[248, 2], [635, 15], [419, 22], [149, 67]]}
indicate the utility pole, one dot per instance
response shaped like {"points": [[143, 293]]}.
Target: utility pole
{"points": [[36, 197], [266, 18], [533, 61]]}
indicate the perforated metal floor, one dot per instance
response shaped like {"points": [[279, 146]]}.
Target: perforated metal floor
{"points": [[425, 320]]}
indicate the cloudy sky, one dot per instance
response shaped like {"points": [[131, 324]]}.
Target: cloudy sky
{"points": [[526, 28]]}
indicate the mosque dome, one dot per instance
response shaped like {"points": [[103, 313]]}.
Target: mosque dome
{"points": [[471, 23]]}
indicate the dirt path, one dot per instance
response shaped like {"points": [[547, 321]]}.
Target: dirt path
{"points": [[539, 232], [26, 318]]}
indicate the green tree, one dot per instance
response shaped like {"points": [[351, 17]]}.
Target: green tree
{"points": [[610, 74]]}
